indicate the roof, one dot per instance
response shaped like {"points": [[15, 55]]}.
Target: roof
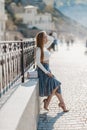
{"points": [[30, 6]]}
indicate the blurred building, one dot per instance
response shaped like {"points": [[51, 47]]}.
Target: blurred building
{"points": [[2, 20], [34, 19]]}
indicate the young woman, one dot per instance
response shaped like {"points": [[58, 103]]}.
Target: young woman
{"points": [[48, 84]]}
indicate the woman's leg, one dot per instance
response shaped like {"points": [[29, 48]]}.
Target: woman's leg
{"points": [[59, 96], [47, 101], [61, 104]]}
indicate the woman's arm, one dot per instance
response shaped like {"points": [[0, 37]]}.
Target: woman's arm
{"points": [[38, 54], [50, 40]]}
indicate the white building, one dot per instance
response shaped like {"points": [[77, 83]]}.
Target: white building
{"points": [[2, 20], [34, 19]]}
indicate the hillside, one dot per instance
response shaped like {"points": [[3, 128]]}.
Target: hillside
{"points": [[76, 12], [64, 25]]}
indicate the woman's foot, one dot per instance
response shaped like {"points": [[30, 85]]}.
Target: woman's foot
{"points": [[62, 105], [45, 104]]}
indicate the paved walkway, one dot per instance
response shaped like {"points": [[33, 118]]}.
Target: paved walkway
{"points": [[69, 65]]}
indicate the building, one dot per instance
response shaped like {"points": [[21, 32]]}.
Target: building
{"points": [[33, 19], [2, 20]]}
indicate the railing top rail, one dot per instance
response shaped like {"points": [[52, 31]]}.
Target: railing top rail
{"points": [[19, 41]]}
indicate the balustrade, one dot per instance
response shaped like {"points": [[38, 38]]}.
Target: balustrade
{"points": [[16, 57]]}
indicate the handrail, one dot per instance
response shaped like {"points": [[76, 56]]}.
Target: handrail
{"points": [[16, 57]]}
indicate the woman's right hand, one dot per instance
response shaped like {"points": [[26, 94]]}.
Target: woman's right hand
{"points": [[50, 74]]}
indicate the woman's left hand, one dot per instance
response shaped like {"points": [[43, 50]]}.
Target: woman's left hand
{"points": [[50, 74]]}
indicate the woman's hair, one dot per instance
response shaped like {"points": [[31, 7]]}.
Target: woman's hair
{"points": [[40, 43]]}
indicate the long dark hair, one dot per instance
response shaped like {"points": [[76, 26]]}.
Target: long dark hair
{"points": [[40, 43]]}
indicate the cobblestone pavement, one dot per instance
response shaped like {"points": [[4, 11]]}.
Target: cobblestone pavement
{"points": [[69, 65]]}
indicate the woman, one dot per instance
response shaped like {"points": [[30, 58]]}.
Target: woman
{"points": [[48, 84]]}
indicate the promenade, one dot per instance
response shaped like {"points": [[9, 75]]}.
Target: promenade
{"points": [[69, 65]]}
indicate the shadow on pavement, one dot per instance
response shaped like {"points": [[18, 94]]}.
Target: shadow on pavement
{"points": [[48, 121]]}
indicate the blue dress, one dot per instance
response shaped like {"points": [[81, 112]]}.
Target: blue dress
{"points": [[47, 84]]}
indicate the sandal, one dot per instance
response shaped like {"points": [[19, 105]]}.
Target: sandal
{"points": [[63, 107]]}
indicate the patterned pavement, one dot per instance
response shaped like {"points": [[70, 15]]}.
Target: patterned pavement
{"points": [[69, 65]]}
